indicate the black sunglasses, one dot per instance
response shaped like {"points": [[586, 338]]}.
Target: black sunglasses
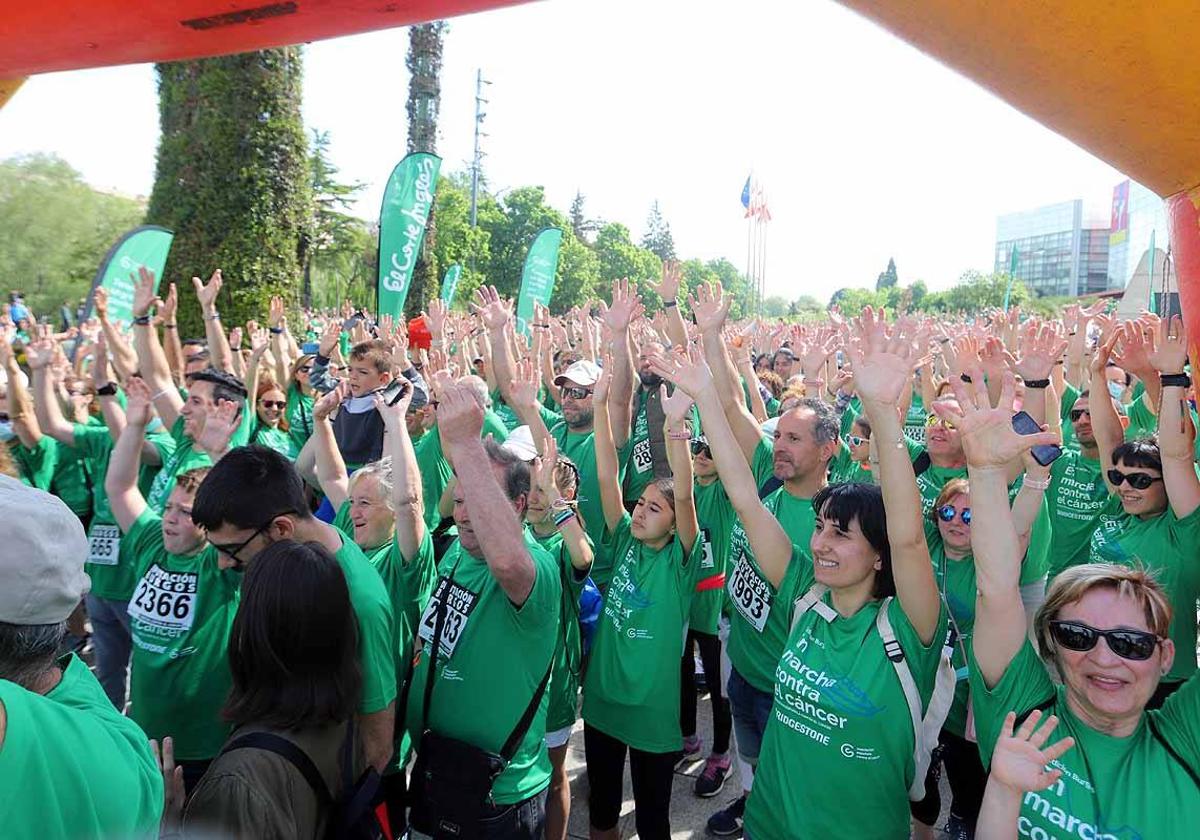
{"points": [[273, 403], [576, 393], [1137, 645], [699, 446], [1076, 413], [946, 514], [1137, 480]]}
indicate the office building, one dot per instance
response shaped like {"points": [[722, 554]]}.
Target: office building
{"points": [[1061, 249]]}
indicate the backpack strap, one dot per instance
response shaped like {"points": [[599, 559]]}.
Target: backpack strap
{"points": [[514, 739], [925, 727], [291, 753], [922, 462], [806, 602]]}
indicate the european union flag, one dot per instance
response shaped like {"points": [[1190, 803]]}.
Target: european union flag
{"points": [[746, 193]]}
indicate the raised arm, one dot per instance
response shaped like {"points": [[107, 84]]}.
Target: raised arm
{"points": [[523, 400], [1018, 765], [770, 543], [408, 500], [579, 547], [124, 359], [607, 468], [49, 414], [500, 532], [120, 483], [625, 306], [20, 406], [1106, 425], [668, 290], [1176, 435], [172, 346], [152, 362], [710, 308], [220, 354], [883, 360], [1028, 502], [330, 467], [990, 444], [496, 314], [676, 429], [739, 351]]}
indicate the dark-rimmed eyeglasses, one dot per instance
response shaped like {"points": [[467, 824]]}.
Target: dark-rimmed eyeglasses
{"points": [[1137, 480], [231, 551], [1076, 413], [1137, 645], [946, 513], [576, 393]]}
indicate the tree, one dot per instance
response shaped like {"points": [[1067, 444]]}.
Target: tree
{"points": [[233, 178], [775, 306], [621, 259], [975, 292], [583, 227], [578, 275], [457, 241], [888, 278], [333, 234], [424, 63], [55, 229], [658, 238], [521, 215], [853, 301]]}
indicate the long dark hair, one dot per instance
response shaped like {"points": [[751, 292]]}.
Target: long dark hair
{"points": [[293, 651], [844, 503]]}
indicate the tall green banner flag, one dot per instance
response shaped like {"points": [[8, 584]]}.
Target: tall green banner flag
{"points": [[147, 246], [1012, 275], [407, 200], [450, 283], [537, 280]]}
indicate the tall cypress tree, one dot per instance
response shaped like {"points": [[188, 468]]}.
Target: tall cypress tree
{"points": [[233, 179], [424, 64]]}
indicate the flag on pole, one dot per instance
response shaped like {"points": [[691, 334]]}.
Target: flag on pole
{"points": [[407, 199], [147, 246], [746, 193], [1012, 273], [537, 279]]}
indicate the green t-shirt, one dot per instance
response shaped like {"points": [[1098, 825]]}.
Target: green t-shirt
{"points": [[1167, 547], [494, 425], [343, 522], [1143, 423], [631, 690], [377, 637], [72, 480], [1076, 498], [493, 650], [435, 473], [760, 614], [72, 766], [581, 449], [843, 468], [1121, 788], [263, 435], [299, 417], [36, 463], [502, 410], [914, 420], [931, 481], [840, 717], [715, 516], [638, 462], [187, 457], [180, 616], [112, 572], [568, 647]]}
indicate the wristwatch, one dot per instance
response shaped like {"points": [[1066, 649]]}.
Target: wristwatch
{"points": [[108, 389]]}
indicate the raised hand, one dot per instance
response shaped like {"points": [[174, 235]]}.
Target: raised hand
{"points": [[100, 302], [207, 293], [459, 414], [523, 392], [1040, 347], [275, 314], [143, 292], [882, 358], [169, 306], [1169, 346], [436, 317], [329, 338], [813, 355], [1019, 761], [709, 307], [138, 405], [668, 284], [329, 403], [604, 383], [676, 406], [988, 437], [493, 310], [235, 338], [625, 306], [40, 352], [220, 422], [685, 369], [542, 471], [259, 339], [393, 414]]}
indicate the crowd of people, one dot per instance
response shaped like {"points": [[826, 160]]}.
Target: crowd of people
{"points": [[345, 582]]}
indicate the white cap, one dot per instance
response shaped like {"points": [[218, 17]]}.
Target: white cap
{"points": [[520, 443], [583, 373], [41, 558], [768, 427]]}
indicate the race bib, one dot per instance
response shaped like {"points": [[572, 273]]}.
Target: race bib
{"points": [[751, 595], [104, 542], [707, 561], [165, 601], [642, 459], [460, 603]]}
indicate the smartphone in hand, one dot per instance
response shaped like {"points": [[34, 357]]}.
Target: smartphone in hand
{"points": [[1047, 453]]}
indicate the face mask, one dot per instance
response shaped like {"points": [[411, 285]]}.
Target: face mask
{"points": [[1116, 389], [154, 425], [6, 431]]}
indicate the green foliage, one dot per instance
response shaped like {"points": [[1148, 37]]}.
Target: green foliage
{"points": [[55, 230], [336, 248], [233, 178], [658, 238], [621, 259], [975, 292], [888, 279], [523, 213], [583, 227], [457, 241]]}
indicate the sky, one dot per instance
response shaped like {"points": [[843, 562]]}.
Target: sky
{"points": [[867, 149]]}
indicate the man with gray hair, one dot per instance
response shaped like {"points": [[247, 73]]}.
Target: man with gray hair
{"points": [[70, 764]]}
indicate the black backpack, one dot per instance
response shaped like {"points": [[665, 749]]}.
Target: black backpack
{"points": [[352, 811]]}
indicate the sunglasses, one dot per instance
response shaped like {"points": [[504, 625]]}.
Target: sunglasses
{"points": [[700, 447], [281, 404], [576, 393], [933, 420], [1076, 413], [1137, 480], [855, 440], [1137, 645], [946, 513]]}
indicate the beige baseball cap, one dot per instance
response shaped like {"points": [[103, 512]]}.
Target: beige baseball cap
{"points": [[41, 556]]}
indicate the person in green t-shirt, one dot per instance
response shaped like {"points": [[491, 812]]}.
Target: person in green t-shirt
{"points": [[1158, 524], [269, 426], [1104, 629], [253, 497], [839, 710], [553, 518], [853, 462], [631, 690], [183, 605], [495, 616], [71, 765]]}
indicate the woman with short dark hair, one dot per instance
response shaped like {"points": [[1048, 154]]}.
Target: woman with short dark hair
{"points": [[293, 654]]}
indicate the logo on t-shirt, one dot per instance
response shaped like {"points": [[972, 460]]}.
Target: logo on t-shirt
{"points": [[460, 603], [164, 603], [624, 597]]}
